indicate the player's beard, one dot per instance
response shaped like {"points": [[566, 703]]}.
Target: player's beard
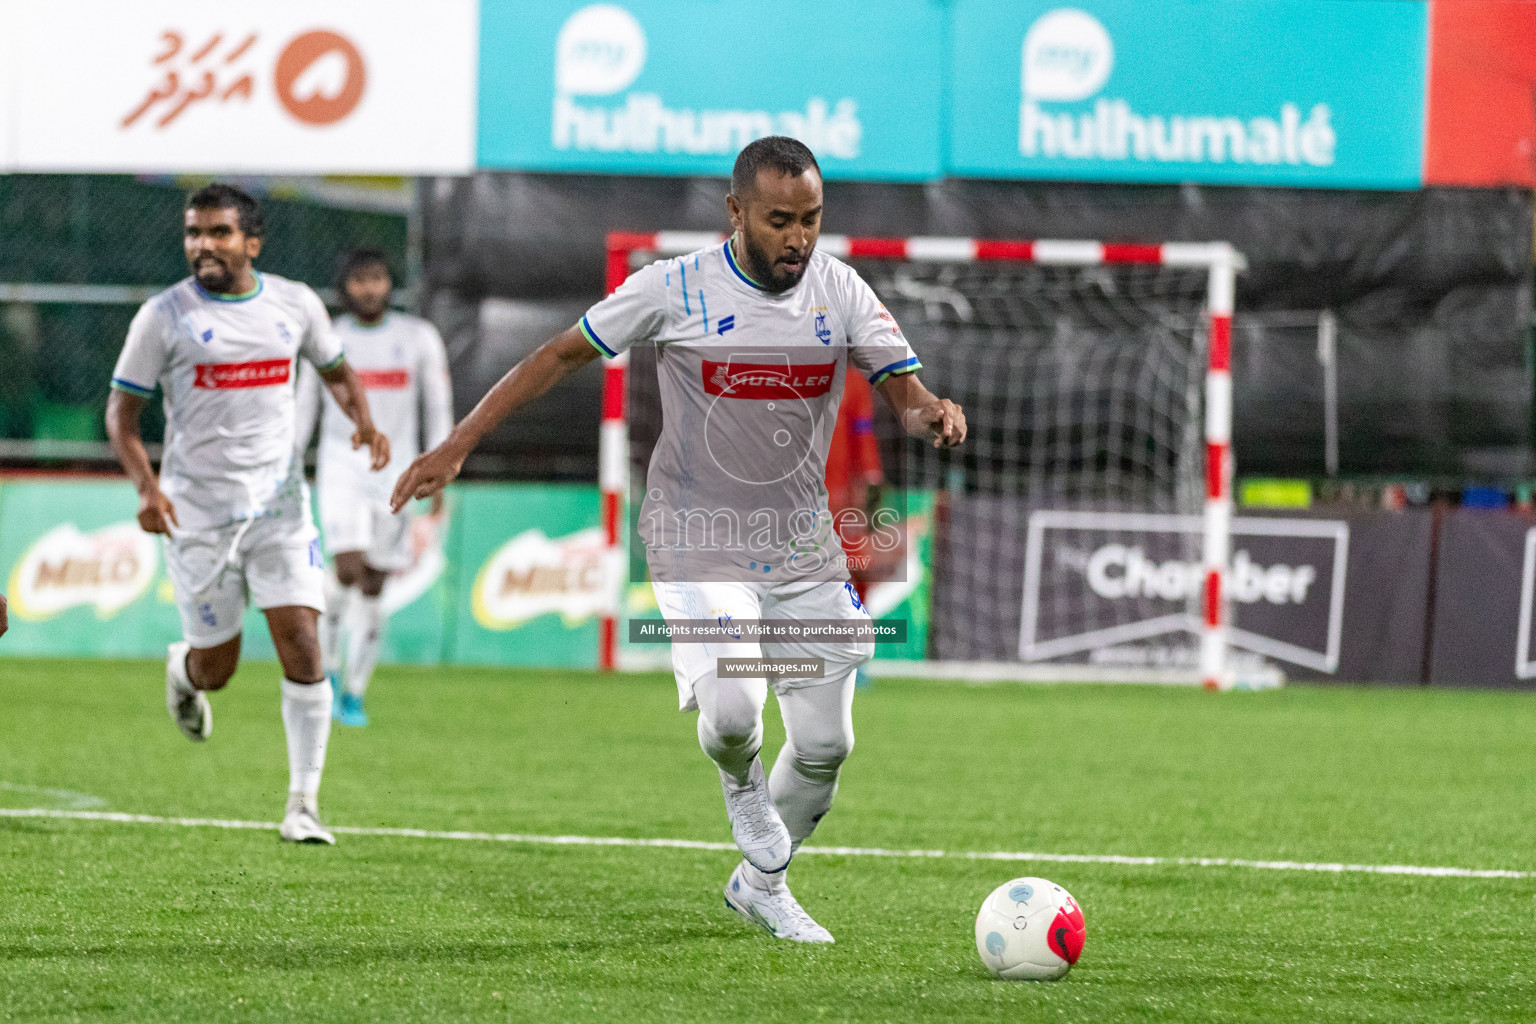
{"points": [[366, 310], [768, 272], [214, 275]]}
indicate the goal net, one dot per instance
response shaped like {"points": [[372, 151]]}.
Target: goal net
{"points": [[1082, 530]]}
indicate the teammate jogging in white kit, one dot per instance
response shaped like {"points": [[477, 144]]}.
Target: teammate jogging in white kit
{"points": [[231, 497], [402, 364], [753, 337]]}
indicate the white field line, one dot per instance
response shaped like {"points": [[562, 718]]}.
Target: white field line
{"points": [[120, 818]]}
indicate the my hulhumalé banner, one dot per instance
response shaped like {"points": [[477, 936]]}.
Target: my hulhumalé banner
{"points": [[676, 87], [1263, 92]]}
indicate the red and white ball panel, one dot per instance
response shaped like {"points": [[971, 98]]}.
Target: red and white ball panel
{"points": [[1029, 929]]}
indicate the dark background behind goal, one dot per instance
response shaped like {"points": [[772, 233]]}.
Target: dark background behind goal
{"points": [[1432, 291]]}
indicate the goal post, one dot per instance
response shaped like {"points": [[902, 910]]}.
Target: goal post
{"points": [[1214, 264]]}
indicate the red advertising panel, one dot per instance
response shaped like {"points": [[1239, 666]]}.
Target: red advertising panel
{"points": [[1482, 80]]}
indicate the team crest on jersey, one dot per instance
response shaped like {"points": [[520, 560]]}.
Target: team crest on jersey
{"points": [[284, 333], [823, 332]]}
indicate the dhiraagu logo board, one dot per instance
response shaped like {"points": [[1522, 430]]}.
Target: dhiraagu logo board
{"points": [[680, 86], [1286, 92]]}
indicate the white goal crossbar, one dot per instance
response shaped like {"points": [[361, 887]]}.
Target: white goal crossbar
{"points": [[1219, 259]]}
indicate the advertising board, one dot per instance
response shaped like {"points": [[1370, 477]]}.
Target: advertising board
{"points": [[679, 86], [1267, 92], [284, 86]]}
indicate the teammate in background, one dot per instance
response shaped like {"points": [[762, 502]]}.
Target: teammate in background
{"points": [[753, 336], [854, 479], [231, 497], [401, 361]]}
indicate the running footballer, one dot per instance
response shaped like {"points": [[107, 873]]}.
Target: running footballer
{"points": [[753, 337], [230, 497]]}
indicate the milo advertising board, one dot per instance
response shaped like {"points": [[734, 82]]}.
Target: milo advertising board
{"points": [[511, 574], [83, 580]]}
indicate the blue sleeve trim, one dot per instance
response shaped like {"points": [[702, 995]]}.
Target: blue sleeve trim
{"points": [[901, 366], [591, 336], [131, 388]]}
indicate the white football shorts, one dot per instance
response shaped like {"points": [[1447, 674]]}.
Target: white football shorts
{"points": [[275, 561], [801, 601], [355, 522]]}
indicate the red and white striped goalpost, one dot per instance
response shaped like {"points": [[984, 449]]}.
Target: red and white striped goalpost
{"points": [[1222, 263]]}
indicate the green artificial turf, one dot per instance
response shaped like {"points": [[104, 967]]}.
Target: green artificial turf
{"points": [[109, 921]]}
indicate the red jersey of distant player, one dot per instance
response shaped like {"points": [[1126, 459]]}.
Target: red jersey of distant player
{"points": [[853, 468]]}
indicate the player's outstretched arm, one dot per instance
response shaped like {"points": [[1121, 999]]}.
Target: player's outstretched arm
{"points": [[348, 391], [555, 360], [921, 412], [156, 513]]}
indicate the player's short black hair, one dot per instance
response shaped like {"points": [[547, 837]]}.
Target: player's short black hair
{"points": [[220, 196], [355, 259], [781, 153]]}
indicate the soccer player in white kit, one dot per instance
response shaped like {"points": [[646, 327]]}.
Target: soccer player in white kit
{"points": [[753, 338], [231, 497], [401, 361]]}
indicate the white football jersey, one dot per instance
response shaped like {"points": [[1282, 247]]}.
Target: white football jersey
{"points": [[750, 385], [404, 368], [226, 365]]}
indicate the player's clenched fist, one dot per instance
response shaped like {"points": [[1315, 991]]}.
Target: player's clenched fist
{"points": [[378, 445], [427, 476], [156, 513], [944, 420]]}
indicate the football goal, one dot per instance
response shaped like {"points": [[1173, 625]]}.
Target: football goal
{"points": [[1084, 529]]}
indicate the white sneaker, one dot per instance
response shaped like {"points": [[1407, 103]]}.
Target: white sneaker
{"points": [[189, 708], [301, 823], [777, 912], [757, 828]]}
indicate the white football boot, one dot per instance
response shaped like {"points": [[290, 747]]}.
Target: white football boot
{"points": [[301, 823], [776, 912], [189, 707], [757, 828]]}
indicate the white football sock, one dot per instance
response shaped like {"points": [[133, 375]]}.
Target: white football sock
{"points": [[776, 882], [364, 624], [337, 598], [181, 672], [307, 720], [818, 737], [731, 722]]}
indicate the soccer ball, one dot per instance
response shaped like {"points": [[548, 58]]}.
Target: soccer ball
{"points": [[1030, 929]]}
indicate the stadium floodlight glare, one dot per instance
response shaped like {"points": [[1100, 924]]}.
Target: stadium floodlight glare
{"points": [[986, 285]]}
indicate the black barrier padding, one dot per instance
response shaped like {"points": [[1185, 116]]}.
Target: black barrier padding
{"points": [[1477, 599], [1386, 590], [1431, 287]]}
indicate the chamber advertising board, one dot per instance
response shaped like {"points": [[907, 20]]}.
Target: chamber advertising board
{"points": [[1312, 595], [385, 87], [1123, 589], [1266, 92], [680, 86]]}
